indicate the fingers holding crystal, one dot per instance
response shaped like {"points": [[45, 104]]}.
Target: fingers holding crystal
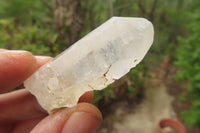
{"points": [[83, 118], [19, 105]]}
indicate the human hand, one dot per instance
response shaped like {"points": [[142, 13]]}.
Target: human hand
{"points": [[20, 111]]}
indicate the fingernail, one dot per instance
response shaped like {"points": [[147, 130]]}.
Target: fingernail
{"points": [[43, 57], [81, 122], [41, 60]]}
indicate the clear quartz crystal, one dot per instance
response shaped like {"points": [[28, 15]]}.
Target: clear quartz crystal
{"points": [[92, 63]]}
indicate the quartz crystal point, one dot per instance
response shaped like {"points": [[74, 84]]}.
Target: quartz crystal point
{"points": [[92, 63]]}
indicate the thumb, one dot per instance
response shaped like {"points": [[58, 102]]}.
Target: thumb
{"points": [[84, 118]]}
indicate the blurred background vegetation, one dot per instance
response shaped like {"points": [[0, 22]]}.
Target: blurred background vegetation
{"points": [[48, 27]]}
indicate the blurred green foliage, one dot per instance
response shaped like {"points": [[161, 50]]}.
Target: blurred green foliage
{"points": [[136, 75], [27, 25], [30, 25], [26, 12], [36, 16], [32, 38], [106, 94], [188, 61]]}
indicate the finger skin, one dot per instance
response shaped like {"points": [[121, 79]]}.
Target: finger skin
{"points": [[25, 106], [60, 120], [2, 50], [41, 60], [26, 126], [87, 97], [81, 122], [15, 67], [19, 105], [5, 128]]}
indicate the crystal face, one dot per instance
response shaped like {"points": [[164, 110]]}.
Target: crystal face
{"points": [[92, 63]]}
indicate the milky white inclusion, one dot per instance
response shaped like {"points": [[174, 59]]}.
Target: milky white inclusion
{"points": [[97, 60]]}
